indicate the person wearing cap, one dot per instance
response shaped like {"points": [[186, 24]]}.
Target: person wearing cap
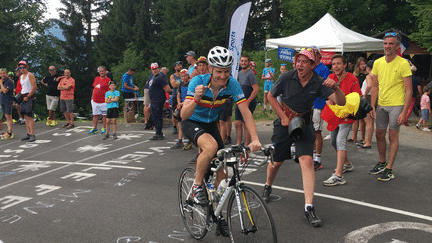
{"points": [[392, 86], [52, 94], [205, 97], [268, 76], [366, 88], [348, 83], [201, 66], [175, 80], [29, 87], [128, 89], [191, 59], [99, 107], [17, 90], [249, 85], [66, 86], [299, 88], [6, 101], [157, 87], [323, 71], [253, 65], [164, 70]]}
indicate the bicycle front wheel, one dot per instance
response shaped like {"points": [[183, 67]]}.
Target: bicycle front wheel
{"points": [[258, 225], [194, 216]]}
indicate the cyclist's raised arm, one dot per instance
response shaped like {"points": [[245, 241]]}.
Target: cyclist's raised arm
{"points": [[255, 144]]}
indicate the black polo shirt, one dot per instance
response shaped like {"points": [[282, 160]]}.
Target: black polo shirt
{"points": [[156, 85], [297, 97], [52, 85]]}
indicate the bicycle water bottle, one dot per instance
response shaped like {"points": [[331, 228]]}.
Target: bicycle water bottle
{"points": [[211, 191], [221, 188]]}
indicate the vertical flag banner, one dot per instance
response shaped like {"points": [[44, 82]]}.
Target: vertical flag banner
{"points": [[238, 23]]}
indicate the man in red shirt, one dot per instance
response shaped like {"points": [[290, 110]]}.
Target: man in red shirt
{"points": [[99, 108], [348, 83]]}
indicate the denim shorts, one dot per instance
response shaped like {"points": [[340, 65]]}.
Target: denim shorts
{"points": [[425, 114]]}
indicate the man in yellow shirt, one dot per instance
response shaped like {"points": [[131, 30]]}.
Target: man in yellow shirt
{"points": [[392, 86]]}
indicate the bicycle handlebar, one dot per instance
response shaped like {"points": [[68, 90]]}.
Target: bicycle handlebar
{"points": [[235, 149]]}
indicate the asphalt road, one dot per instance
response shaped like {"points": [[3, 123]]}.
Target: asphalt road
{"points": [[69, 186]]}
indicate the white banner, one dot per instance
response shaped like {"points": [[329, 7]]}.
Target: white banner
{"points": [[238, 23]]}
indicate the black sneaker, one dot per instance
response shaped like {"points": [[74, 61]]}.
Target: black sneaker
{"points": [[106, 137], [199, 196], [157, 137], [266, 193], [387, 175], [317, 165], [222, 227], [228, 140], [32, 138], [310, 215], [27, 137], [115, 136], [379, 168]]}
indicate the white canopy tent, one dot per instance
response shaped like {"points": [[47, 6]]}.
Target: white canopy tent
{"points": [[329, 35]]}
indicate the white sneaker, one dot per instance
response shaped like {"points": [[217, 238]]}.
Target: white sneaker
{"points": [[418, 126], [328, 137], [426, 129]]}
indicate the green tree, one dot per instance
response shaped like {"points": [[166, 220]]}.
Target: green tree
{"points": [[19, 20], [423, 11]]}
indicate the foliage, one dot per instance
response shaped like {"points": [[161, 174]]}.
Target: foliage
{"points": [[423, 11]]}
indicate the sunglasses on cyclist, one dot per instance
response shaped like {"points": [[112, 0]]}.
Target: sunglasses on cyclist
{"points": [[394, 34]]}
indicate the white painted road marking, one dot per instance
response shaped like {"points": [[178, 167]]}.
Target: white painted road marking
{"points": [[370, 205]]}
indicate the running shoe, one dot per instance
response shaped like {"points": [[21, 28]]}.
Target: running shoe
{"points": [[175, 130], [418, 126], [53, 123], [425, 129], [22, 122], [48, 123], [103, 131], [379, 168], [317, 165], [266, 193], [7, 136], [386, 175], [157, 137], [310, 215], [222, 227], [106, 137], [199, 196], [32, 138], [228, 140], [93, 131], [334, 180], [187, 146], [27, 137], [178, 145], [115, 136], [347, 168]]}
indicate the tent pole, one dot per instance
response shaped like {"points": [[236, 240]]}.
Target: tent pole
{"points": [[265, 54]]}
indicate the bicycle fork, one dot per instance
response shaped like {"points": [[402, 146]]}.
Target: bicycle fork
{"points": [[239, 207]]}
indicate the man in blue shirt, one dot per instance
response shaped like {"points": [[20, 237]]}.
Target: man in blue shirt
{"points": [[319, 104], [157, 87], [128, 89]]}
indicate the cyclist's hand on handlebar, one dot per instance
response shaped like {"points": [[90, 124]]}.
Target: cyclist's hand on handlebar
{"points": [[255, 146]]}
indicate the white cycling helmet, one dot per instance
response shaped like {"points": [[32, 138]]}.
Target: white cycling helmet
{"points": [[220, 57]]}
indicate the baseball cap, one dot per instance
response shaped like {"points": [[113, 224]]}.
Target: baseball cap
{"points": [[202, 59], [183, 71], [22, 62], [190, 53], [11, 74], [268, 60], [370, 63], [308, 52], [176, 63], [253, 63], [154, 65]]}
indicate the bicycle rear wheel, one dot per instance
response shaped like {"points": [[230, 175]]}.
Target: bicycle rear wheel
{"points": [[194, 216], [258, 222]]}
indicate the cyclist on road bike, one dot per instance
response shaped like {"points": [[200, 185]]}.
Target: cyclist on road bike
{"points": [[206, 95]]}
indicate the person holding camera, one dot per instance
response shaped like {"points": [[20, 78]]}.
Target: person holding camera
{"points": [[7, 99]]}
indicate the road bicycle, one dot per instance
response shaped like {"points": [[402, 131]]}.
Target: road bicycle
{"points": [[248, 217]]}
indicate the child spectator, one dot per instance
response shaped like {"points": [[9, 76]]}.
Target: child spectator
{"points": [[425, 108], [111, 98], [181, 95]]}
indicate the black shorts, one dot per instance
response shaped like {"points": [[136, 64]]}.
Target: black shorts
{"points": [[7, 108], [282, 142], [226, 111], [174, 103], [113, 113], [128, 95], [193, 130], [238, 115]]}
